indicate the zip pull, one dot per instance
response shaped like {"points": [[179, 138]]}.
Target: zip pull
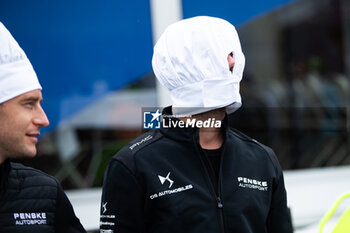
{"points": [[218, 200]]}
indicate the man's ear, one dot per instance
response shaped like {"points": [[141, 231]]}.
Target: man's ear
{"points": [[231, 61]]}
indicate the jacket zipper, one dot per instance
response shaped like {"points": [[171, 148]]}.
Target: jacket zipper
{"points": [[220, 205], [217, 197]]}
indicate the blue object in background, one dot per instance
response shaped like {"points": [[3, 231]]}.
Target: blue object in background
{"points": [[236, 12], [80, 50]]}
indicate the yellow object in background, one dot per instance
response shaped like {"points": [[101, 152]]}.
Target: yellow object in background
{"points": [[343, 224]]}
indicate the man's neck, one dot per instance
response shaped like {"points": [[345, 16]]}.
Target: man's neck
{"points": [[210, 139]]}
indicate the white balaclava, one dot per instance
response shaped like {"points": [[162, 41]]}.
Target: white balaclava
{"points": [[17, 75], [190, 60]]}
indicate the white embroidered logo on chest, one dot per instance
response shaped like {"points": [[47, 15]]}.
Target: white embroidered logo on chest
{"points": [[167, 178], [245, 182]]}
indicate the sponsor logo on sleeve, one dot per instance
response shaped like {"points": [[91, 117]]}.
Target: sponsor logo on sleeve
{"points": [[106, 220], [106, 231], [145, 139], [104, 207]]}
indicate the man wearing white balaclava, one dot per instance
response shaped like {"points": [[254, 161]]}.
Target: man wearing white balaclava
{"points": [[194, 174], [32, 201]]}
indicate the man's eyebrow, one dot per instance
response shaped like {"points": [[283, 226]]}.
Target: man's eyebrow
{"points": [[32, 99]]}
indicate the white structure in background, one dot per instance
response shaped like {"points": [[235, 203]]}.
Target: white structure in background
{"points": [[117, 110], [86, 204], [311, 193], [121, 109], [164, 13]]}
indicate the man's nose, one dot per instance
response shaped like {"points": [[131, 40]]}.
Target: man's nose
{"points": [[40, 118]]}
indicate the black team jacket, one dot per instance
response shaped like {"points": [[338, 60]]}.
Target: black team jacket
{"points": [[34, 202], [159, 183]]}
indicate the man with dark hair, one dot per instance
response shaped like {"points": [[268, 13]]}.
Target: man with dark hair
{"points": [[195, 174], [30, 200]]}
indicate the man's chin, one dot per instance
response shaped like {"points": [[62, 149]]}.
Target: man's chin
{"points": [[30, 149], [29, 153]]}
